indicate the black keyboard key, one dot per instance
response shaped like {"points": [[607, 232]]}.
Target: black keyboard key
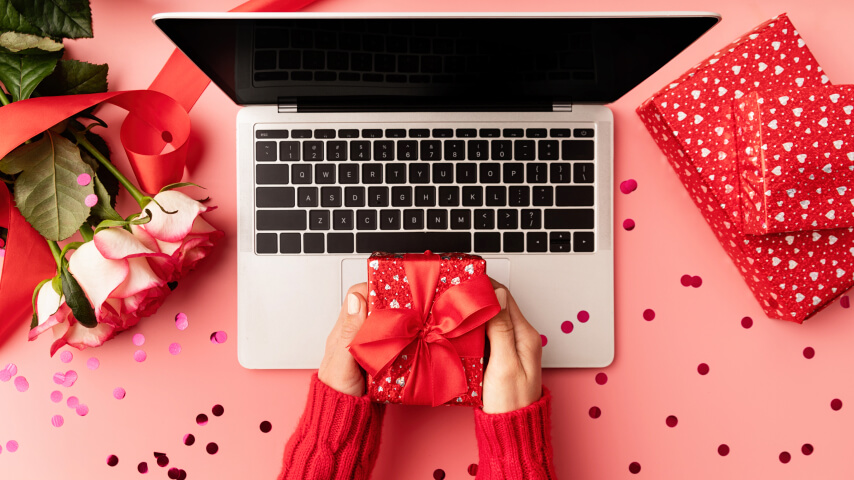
{"points": [[360, 150], [524, 150], [395, 173], [408, 64], [318, 219], [560, 242], [354, 196], [431, 149], [336, 150], [537, 242], [542, 196], [266, 174], [466, 173], [413, 242], [274, 197], [372, 174], [514, 173], [513, 132], [419, 133], [487, 242], [490, 173], [324, 132], [443, 173], [348, 173], [583, 172], [535, 132], [455, 149], [330, 197], [508, 219], [583, 241], [531, 219], [301, 173], [569, 219], [577, 149], [372, 133], [490, 132], [466, 132], [289, 151], [437, 219], [383, 150], [366, 220], [478, 149], [280, 220], [401, 196], [377, 196], [271, 134], [425, 196], [519, 196], [290, 243], [407, 150], [574, 196], [442, 132], [419, 173], [361, 62], [514, 242], [484, 219], [547, 150], [460, 219], [266, 243], [473, 196], [537, 172], [307, 197], [449, 196], [313, 243], [312, 151], [390, 220], [413, 219], [265, 151], [560, 132], [289, 59], [324, 174], [301, 134], [339, 243], [559, 173], [342, 220], [496, 196], [395, 133], [582, 132], [501, 149], [348, 133]]}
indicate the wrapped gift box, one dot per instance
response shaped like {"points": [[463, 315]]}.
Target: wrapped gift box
{"points": [[793, 275], [796, 159], [423, 340]]}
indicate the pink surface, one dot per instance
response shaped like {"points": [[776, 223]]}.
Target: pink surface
{"points": [[746, 400]]}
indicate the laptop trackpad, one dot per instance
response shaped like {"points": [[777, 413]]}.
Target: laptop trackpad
{"points": [[355, 270]]}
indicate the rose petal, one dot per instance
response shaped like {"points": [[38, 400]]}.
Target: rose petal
{"points": [[118, 243], [97, 276], [47, 302], [81, 337], [140, 277], [173, 227]]}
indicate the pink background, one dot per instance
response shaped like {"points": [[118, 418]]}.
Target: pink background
{"points": [[761, 397]]}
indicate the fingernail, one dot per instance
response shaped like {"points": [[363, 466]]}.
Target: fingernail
{"points": [[502, 297], [353, 304]]}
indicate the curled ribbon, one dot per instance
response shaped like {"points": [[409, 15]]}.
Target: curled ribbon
{"points": [[437, 371]]}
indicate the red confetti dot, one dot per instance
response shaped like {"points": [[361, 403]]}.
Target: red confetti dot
{"points": [[746, 322], [438, 474], [172, 473], [686, 280], [142, 467], [112, 460], [544, 339], [702, 369], [785, 457], [583, 316], [601, 378], [649, 314], [628, 186], [472, 469], [671, 421], [189, 439], [696, 282], [217, 410], [162, 460], [202, 419], [634, 467], [845, 301], [594, 412], [723, 449], [566, 327], [809, 352], [629, 224], [211, 448], [266, 426], [182, 475], [807, 449], [836, 404]]}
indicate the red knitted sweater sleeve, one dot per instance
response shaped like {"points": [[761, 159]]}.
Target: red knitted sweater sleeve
{"points": [[337, 437], [516, 445]]}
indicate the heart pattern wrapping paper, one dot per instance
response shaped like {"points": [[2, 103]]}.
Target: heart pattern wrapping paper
{"points": [[793, 275]]}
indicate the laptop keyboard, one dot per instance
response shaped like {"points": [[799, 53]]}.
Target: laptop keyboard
{"points": [[481, 190]]}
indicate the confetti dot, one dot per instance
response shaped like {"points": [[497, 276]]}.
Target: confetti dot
{"points": [[93, 363], [1, 449], [189, 439], [72, 402], [649, 314], [66, 356], [9, 371], [82, 410], [746, 322], [142, 467], [785, 457], [696, 282], [845, 301], [57, 421], [139, 355], [175, 348], [703, 368], [162, 460], [594, 412], [686, 280], [634, 467], [266, 426], [166, 136], [172, 473], [56, 396], [202, 419], [112, 460], [628, 186], [472, 469], [723, 449], [217, 410], [11, 446], [91, 200], [583, 316], [836, 404], [138, 339], [119, 393], [84, 179], [182, 475], [439, 474], [807, 449], [671, 421], [211, 448], [21, 384], [2, 243], [566, 327], [601, 378], [809, 352], [629, 224], [544, 339], [219, 337], [181, 321]]}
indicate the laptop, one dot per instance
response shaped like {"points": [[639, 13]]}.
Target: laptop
{"points": [[484, 133]]}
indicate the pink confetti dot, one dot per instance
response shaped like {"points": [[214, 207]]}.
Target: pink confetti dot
{"points": [[702, 369], [56, 396], [72, 402], [138, 339], [181, 321], [139, 355], [686, 280], [1, 449], [634, 467], [119, 393], [583, 316], [66, 356], [91, 200], [746, 322], [219, 337], [2, 253], [594, 412], [112, 460], [629, 224], [809, 352], [723, 449], [9, 371], [57, 421], [696, 282], [785, 457], [84, 179], [836, 404], [82, 410], [21, 383], [601, 378], [671, 421], [649, 314], [566, 327], [544, 339], [807, 449], [845, 301], [11, 446], [93, 363], [175, 348], [628, 186]]}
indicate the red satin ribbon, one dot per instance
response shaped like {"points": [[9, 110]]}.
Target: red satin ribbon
{"points": [[437, 371]]}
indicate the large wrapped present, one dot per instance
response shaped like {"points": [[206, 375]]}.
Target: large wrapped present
{"points": [[423, 340], [793, 274]]}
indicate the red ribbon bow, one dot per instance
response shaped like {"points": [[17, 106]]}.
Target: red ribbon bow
{"points": [[437, 371]]}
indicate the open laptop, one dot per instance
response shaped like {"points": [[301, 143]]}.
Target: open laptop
{"points": [[403, 132]]}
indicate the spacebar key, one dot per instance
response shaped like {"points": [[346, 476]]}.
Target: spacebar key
{"points": [[413, 242]]}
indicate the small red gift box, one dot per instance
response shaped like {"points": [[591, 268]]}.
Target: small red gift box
{"points": [[793, 275], [796, 159], [423, 340]]}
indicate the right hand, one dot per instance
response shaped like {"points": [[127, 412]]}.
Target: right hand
{"points": [[513, 377]]}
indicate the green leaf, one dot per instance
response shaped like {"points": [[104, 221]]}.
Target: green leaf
{"points": [[107, 179], [16, 42], [73, 78], [21, 74], [173, 186], [77, 301], [11, 19], [47, 193], [102, 210], [58, 18]]}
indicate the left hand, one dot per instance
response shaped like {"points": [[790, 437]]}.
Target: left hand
{"points": [[338, 369]]}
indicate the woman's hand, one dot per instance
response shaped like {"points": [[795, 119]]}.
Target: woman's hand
{"points": [[513, 377], [338, 369]]}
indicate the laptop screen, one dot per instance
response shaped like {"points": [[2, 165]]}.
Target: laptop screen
{"points": [[329, 60]]}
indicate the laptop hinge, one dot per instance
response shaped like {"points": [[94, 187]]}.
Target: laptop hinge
{"points": [[407, 104], [287, 105], [562, 106]]}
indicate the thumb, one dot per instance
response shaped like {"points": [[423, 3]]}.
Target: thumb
{"points": [[502, 339], [356, 314]]}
